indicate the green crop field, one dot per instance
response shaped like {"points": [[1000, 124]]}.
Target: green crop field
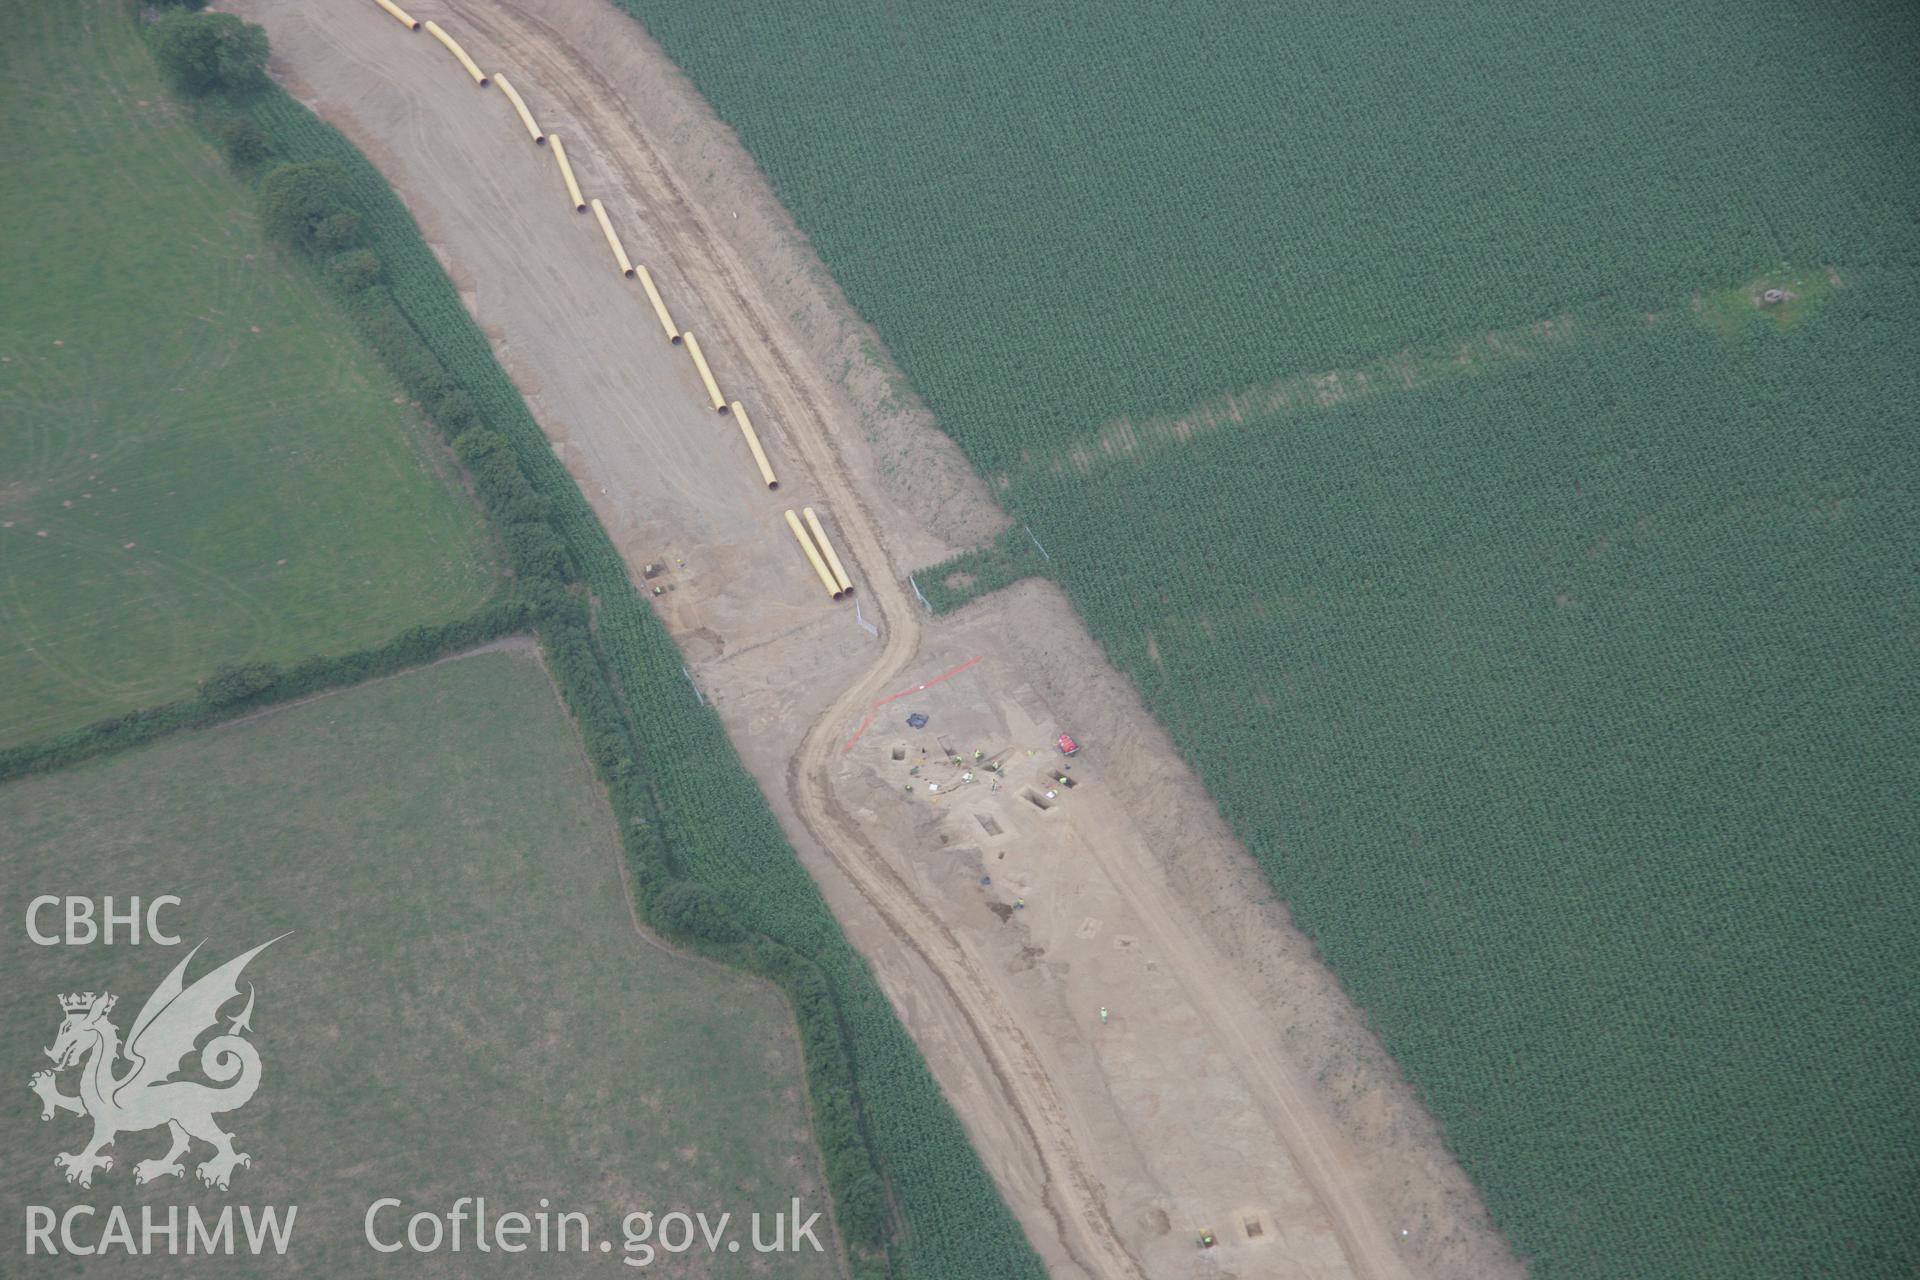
{"points": [[199, 461], [464, 1006], [1396, 391]]}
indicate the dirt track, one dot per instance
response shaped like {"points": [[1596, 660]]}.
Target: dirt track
{"points": [[1090, 1130]]}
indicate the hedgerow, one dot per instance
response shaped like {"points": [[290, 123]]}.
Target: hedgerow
{"points": [[234, 690]]}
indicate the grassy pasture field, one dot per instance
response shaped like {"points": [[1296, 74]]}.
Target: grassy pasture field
{"points": [[200, 462], [464, 1006], [1395, 391]]}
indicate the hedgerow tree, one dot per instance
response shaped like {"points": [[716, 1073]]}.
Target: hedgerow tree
{"points": [[305, 205], [236, 683], [337, 232], [243, 141], [206, 53], [686, 907], [355, 270]]}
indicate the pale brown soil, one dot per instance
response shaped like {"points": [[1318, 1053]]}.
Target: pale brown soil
{"points": [[1233, 1087]]}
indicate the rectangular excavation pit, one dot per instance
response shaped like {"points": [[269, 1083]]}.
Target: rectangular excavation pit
{"points": [[989, 825], [1037, 800]]}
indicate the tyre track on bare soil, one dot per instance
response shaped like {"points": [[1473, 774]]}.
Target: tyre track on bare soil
{"points": [[1074, 1198]]}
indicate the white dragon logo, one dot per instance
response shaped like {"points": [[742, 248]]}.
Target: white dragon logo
{"points": [[146, 1095]]}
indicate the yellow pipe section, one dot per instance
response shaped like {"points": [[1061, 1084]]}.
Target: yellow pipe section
{"points": [[519, 105], [613, 241], [706, 374], [753, 443], [407, 20], [820, 535], [659, 307], [566, 171], [819, 565], [453, 47]]}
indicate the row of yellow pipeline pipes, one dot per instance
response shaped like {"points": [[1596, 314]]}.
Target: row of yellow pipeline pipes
{"points": [[818, 548]]}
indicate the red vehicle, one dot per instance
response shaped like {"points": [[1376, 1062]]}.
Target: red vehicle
{"points": [[1068, 746]]}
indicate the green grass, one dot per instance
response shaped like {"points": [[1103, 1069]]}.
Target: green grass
{"points": [[1564, 685], [464, 1007], [218, 465]]}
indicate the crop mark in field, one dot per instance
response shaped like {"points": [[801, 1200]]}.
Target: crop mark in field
{"points": [[1782, 297], [1129, 438]]}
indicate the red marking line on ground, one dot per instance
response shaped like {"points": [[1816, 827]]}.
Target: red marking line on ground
{"points": [[875, 709]]}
